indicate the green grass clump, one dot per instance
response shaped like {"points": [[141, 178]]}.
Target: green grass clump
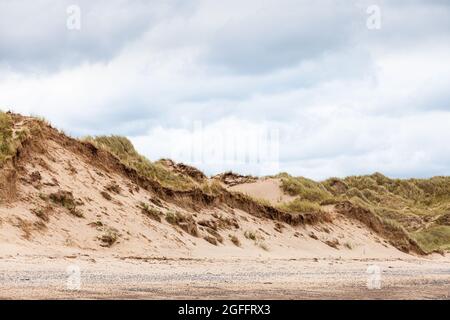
{"points": [[124, 150], [211, 187], [436, 238], [174, 217], [305, 189], [251, 235], [6, 137], [377, 189], [301, 206], [65, 199], [110, 237], [151, 212], [11, 137], [185, 222]]}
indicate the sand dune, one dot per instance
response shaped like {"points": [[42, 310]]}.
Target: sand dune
{"points": [[65, 200]]}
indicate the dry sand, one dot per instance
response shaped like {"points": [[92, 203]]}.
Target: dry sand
{"points": [[266, 188], [115, 278]]}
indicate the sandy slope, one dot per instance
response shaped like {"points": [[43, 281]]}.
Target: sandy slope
{"points": [[62, 169], [265, 188]]}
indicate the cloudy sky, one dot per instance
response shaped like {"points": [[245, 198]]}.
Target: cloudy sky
{"points": [[315, 88]]}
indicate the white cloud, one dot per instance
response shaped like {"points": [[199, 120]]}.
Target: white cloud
{"points": [[345, 100]]}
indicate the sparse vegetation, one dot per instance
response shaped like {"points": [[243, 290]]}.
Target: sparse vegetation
{"points": [[225, 222], [25, 226], [42, 214], [215, 234], [106, 195], [97, 224], [39, 225], [333, 243], [210, 239], [124, 150], [211, 187], [113, 188], [436, 238], [298, 205], [174, 217], [257, 238], [251, 235], [348, 245], [278, 227], [235, 240], [305, 189], [109, 237], [313, 236], [185, 222], [151, 212], [66, 200], [10, 138], [411, 206]]}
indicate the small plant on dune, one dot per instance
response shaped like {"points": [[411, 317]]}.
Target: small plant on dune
{"points": [[109, 237], [113, 187], [215, 234], [185, 222], [348, 245], [39, 225], [106, 195], [211, 240], [97, 224], [6, 148], [174, 217], [333, 243], [313, 236], [225, 222], [76, 212], [25, 226], [235, 240], [66, 200], [278, 227], [251, 235], [150, 212], [41, 214]]}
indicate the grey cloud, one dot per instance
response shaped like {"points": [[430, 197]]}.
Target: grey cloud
{"points": [[344, 97], [271, 36], [34, 36]]}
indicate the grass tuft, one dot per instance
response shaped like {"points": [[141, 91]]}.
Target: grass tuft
{"points": [[124, 150]]}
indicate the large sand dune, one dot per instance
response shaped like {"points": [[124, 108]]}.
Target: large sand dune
{"points": [[68, 202]]}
